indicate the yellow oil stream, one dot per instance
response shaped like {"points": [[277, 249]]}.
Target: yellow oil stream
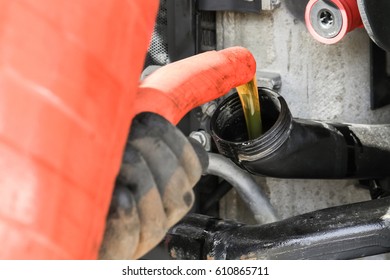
{"points": [[249, 97]]}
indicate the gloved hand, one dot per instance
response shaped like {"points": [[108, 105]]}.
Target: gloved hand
{"points": [[153, 189]]}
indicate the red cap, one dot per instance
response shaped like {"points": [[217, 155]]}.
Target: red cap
{"points": [[350, 19]]}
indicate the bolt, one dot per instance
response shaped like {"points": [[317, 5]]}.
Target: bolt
{"points": [[203, 138], [326, 19], [209, 108]]}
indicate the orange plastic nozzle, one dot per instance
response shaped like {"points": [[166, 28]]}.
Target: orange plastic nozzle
{"points": [[175, 89]]}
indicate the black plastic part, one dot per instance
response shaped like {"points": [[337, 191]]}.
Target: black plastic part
{"points": [[244, 6], [378, 188], [206, 31], [229, 131], [181, 29], [380, 77], [297, 8], [297, 148], [190, 31], [376, 19], [344, 232]]}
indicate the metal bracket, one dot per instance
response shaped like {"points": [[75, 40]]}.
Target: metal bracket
{"points": [[269, 80], [245, 6], [268, 5]]}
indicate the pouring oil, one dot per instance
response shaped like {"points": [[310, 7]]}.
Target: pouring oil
{"points": [[249, 97]]}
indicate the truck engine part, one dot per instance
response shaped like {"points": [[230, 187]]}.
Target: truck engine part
{"points": [[318, 88], [299, 148], [343, 232], [329, 21]]}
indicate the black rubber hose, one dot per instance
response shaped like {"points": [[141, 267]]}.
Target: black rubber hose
{"points": [[297, 148], [247, 188]]}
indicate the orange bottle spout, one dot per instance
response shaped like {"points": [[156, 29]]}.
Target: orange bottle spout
{"points": [[175, 89]]}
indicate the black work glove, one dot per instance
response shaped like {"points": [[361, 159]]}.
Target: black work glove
{"points": [[153, 190]]}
